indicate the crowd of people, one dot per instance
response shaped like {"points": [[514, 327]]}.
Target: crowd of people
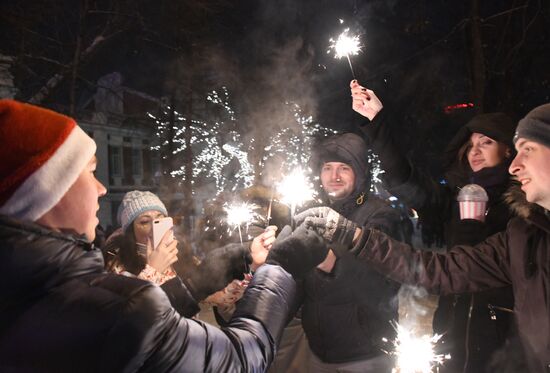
{"points": [[317, 292]]}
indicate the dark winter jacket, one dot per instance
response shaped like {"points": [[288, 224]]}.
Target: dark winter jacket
{"points": [[518, 257], [346, 313], [61, 312], [474, 326]]}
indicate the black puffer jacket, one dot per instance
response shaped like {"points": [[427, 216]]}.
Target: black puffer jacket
{"points": [[474, 325], [60, 312], [347, 313], [519, 256]]}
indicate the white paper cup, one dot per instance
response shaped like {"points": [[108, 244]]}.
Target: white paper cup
{"points": [[472, 210], [472, 200]]}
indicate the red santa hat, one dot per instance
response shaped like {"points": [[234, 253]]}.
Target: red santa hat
{"points": [[42, 153]]}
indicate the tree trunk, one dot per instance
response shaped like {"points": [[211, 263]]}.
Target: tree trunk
{"points": [[189, 205], [76, 57], [477, 60]]}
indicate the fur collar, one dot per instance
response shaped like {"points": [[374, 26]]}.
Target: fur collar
{"points": [[515, 198]]}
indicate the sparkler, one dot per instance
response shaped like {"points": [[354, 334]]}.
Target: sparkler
{"points": [[268, 217], [346, 45], [295, 189], [239, 214], [415, 354]]}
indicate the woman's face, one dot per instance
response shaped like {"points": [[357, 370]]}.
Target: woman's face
{"points": [[485, 152], [143, 226]]}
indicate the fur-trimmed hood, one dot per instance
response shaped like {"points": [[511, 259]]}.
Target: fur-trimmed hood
{"points": [[515, 198]]}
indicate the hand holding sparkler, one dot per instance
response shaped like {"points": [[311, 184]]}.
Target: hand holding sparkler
{"points": [[345, 45], [365, 102], [260, 246]]}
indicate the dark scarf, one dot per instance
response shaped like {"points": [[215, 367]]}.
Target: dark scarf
{"points": [[495, 180]]}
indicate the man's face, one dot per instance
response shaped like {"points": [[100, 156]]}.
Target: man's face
{"points": [[338, 179], [77, 210], [531, 167]]}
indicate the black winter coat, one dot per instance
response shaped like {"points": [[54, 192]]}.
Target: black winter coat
{"points": [[61, 312], [519, 256], [347, 313], [474, 325]]}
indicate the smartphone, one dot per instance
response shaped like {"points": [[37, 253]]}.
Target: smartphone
{"points": [[160, 227]]}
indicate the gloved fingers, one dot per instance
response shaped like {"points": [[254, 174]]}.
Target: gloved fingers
{"points": [[285, 232], [315, 223], [299, 218]]}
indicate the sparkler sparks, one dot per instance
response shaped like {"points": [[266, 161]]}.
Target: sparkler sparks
{"points": [[240, 214], [416, 354], [295, 189], [345, 45]]}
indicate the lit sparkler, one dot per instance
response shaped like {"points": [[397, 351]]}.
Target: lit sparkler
{"points": [[295, 189], [344, 46], [240, 214], [416, 354]]}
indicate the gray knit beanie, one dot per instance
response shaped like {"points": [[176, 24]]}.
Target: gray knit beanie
{"points": [[535, 126], [135, 203]]}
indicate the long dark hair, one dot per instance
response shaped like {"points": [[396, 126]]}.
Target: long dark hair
{"points": [[122, 249]]}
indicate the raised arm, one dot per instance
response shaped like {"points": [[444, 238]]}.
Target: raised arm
{"points": [[404, 180]]}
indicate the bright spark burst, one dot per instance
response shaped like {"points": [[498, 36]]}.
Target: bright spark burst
{"points": [[416, 354], [345, 45], [295, 188], [240, 214]]}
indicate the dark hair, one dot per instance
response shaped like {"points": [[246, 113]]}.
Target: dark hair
{"points": [[122, 250], [462, 156]]}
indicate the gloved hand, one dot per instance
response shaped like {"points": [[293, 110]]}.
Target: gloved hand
{"points": [[298, 252], [219, 268], [331, 225]]}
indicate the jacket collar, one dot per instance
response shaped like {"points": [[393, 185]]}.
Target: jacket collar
{"points": [[531, 212], [34, 259]]}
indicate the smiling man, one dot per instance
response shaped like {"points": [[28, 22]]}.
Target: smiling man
{"points": [[531, 166], [517, 256], [347, 309]]}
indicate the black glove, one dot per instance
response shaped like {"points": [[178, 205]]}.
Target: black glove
{"points": [[298, 252], [331, 225], [219, 268]]}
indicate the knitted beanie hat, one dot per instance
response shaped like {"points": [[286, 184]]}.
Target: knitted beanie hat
{"points": [[135, 203], [535, 126], [42, 153]]}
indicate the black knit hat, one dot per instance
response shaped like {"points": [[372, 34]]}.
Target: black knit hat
{"points": [[535, 126]]}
